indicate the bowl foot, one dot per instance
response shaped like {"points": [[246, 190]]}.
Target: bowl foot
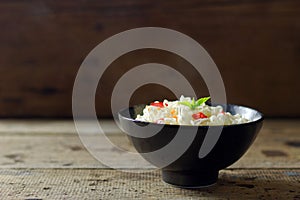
{"points": [[190, 179]]}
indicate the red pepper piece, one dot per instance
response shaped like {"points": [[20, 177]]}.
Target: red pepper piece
{"points": [[199, 115], [157, 104]]}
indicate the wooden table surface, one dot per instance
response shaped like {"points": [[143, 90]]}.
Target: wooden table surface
{"points": [[46, 160]]}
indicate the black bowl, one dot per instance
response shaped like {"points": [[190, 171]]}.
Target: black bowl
{"points": [[189, 170]]}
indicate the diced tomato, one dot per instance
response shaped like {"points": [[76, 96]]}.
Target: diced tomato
{"points": [[199, 115], [157, 104]]}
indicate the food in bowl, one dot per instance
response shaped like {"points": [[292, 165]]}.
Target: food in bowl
{"points": [[188, 111]]}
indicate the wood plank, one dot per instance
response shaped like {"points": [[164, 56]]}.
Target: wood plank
{"points": [[277, 146], [48, 126], [112, 184], [52, 126], [254, 43]]}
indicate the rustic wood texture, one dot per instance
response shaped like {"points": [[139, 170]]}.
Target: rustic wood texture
{"points": [[42, 44], [56, 144], [42, 184], [44, 159]]}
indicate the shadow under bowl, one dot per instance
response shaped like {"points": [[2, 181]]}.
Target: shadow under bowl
{"points": [[181, 164]]}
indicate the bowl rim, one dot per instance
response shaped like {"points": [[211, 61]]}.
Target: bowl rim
{"points": [[259, 119]]}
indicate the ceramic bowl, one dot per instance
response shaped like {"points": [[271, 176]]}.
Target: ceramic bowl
{"points": [[188, 170]]}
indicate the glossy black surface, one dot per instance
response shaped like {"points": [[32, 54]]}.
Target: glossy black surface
{"points": [[189, 170]]}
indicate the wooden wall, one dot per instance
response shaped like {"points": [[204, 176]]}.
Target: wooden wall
{"points": [[255, 44]]}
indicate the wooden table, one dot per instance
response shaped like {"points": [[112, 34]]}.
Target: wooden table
{"points": [[46, 160]]}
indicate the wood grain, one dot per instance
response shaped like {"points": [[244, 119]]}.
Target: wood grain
{"points": [[42, 44], [111, 184], [55, 144], [44, 159]]}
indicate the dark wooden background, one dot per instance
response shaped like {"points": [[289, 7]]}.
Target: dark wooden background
{"points": [[255, 44]]}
